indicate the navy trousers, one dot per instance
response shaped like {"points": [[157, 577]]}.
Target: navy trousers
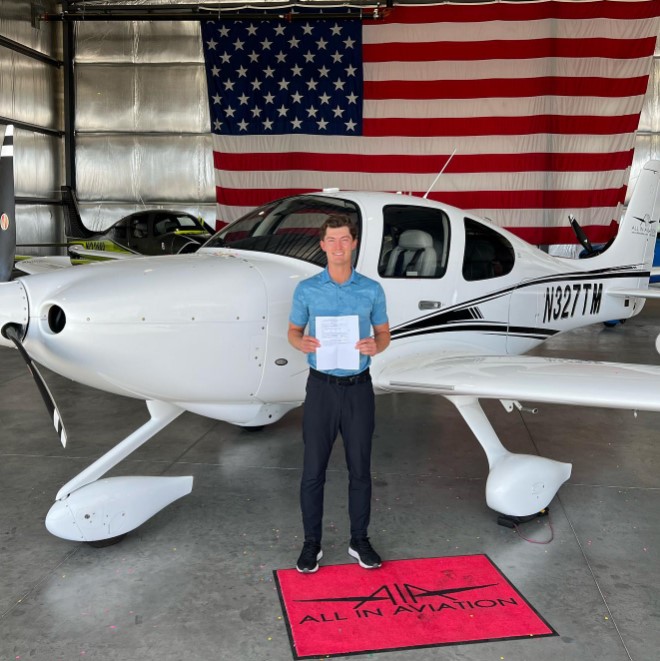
{"points": [[332, 408]]}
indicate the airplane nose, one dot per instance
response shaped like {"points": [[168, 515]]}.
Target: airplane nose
{"points": [[13, 308]]}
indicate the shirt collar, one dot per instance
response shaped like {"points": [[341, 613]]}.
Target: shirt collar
{"points": [[325, 278]]}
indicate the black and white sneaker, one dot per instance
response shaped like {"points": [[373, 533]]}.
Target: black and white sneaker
{"points": [[308, 561], [364, 553]]}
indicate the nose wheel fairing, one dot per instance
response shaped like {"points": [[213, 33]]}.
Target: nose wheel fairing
{"points": [[88, 508]]}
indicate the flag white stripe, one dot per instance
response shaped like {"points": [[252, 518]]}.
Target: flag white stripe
{"points": [[606, 28], [515, 144], [596, 67], [486, 181], [505, 107]]}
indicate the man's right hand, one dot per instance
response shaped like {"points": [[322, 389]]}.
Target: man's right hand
{"points": [[309, 344], [304, 343]]}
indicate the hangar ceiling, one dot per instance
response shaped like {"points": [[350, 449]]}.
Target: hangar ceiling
{"points": [[113, 101]]}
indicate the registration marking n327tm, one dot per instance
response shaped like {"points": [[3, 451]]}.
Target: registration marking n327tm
{"points": [[565, 301]]}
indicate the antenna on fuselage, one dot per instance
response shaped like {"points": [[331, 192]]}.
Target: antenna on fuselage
{"points": [[444, 167]]}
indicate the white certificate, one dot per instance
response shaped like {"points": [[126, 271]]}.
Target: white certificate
{"points": [[338, 337]]}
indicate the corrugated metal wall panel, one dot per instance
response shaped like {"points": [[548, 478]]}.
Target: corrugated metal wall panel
{"points": [[134, 80], [165, 98], [31, 92]]}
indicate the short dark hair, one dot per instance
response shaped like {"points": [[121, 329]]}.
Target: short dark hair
{"points": [[338, 220]]}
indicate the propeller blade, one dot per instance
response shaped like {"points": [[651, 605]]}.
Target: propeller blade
{"points": [[581, 236], [7, 206], [11, 332]]}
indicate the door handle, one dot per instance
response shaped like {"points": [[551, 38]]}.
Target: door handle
{"points": [[429, 305]]}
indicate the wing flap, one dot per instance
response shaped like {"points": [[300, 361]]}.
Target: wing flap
{"points": [[530, 378]]}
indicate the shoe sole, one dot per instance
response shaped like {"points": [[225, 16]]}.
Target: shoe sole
{"points": [[356, 555], [311, 571]]}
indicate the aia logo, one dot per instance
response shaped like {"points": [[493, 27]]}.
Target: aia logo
{"points": [[4, 222], [401, 594], [645, 226], [399, 599]]}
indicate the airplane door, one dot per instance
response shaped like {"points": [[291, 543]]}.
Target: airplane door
{"points": [[409, 255]]}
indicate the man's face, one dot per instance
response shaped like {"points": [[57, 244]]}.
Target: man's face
{"points": [[338, 245]]}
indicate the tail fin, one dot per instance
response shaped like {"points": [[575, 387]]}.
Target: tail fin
{"points": [[73, 224], [634, 243], [7, 206]]}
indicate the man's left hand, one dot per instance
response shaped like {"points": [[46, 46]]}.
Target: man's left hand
{"points": [[367, 346]]}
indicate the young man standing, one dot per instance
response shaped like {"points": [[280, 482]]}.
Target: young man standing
{"points": [[338, 400]]}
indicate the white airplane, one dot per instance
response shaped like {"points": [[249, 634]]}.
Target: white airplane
{"points": [[465, 300]]}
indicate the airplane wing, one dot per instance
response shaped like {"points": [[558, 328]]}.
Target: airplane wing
{"points": [[32, 265], [651, 292], [79, 255], [529, 378], [86, 253]]}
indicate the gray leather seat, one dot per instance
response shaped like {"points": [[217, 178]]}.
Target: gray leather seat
{"points": [[414, 256]]}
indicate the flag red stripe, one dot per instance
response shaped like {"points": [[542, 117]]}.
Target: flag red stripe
{"points": [[487, 126], [522, 11], [420, 164], [552, 235], [532, 199], [504, 88], [515, 49], [526, 199]]}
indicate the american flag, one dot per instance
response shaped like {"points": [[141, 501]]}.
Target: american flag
{"points": [[539, 100]]}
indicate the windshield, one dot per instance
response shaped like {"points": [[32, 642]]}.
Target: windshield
{"points": [[286, 227]]}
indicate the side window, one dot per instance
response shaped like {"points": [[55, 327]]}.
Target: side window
{"points": [[487, 253], [415, 242], [139, 228]]}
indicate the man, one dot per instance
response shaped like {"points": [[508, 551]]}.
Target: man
{"points": [[338, 400]]}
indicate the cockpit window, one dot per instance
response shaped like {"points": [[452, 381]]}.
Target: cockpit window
{"points": [[174, 223], [287, 227], [488, 254], [415, 242]]}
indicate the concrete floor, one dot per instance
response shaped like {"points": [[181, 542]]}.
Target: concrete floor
{"points": [[195, 582]]}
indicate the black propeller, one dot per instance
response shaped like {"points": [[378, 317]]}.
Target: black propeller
{"points": [[7, 206], [13, 332], [581, 236]]}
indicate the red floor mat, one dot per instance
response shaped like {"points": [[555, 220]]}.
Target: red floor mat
{"points": [[343, 609]]}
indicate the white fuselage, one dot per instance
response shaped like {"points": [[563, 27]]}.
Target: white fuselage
{"points": [[208, 331]]}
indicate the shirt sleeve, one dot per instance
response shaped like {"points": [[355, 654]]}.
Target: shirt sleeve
{"points": [[299, 311], [379, 311]]}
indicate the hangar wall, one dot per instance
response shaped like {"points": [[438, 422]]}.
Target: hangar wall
{"points": [[31, 97], [142, 120], [142, 133]]}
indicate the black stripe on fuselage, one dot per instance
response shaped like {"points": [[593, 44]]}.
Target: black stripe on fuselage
{"points": [[489, 328], [445, 320]]}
